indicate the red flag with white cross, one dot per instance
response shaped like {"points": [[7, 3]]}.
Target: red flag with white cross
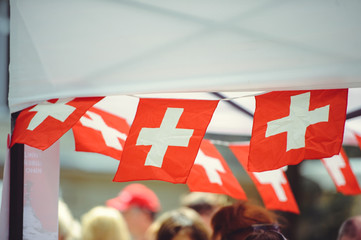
{"points": [[341, 173], [273, 186], [210, 173], [291, 126], [101, 132], [42, 125], [164, 139]]}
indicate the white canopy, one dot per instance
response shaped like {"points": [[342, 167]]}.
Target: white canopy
{"points": [[75, 48], [122, 48]]}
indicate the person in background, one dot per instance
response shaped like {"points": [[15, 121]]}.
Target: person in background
{"points": [[104, 223], [179, 224], [266, 235], [205, 204], [69, 228], [350, 229], [244, 220], [139, 206]]}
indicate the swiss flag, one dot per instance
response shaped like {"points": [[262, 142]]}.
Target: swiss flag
{"points": [[210, 173], [291, 126], [273, 186], [41, 125], [164, 139], [341, 173], [101, 132]]}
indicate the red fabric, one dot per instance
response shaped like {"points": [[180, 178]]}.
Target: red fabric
{"points": [[48, 129], [320, 139], [276, 196], [218, 178], [182, 121], [101, 132], [341, 173]]}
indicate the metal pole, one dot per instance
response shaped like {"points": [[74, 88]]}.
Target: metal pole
{"points": [[16, 202]]}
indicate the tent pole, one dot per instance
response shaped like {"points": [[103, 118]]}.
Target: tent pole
{"points": [[353, 114], [233, 104], [16, 203]]}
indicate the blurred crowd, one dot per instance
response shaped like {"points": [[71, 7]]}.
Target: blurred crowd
{"points": [[133, 215]]}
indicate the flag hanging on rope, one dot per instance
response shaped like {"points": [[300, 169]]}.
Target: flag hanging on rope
{"points": [[101, 132], [273, 186], [42, 125], [339, 168], [210, 173], [290, 126], [164, 139]]}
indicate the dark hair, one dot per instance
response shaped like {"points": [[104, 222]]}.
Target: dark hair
{"points": [[229, 220], [350, 228], [182, 221], [265, 235]]}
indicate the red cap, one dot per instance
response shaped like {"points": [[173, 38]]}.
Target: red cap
{"points": [[135, 194]]}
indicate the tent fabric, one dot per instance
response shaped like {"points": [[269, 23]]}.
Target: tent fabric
{"points": [[82, 48]]}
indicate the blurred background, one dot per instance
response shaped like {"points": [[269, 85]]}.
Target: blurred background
{"points": [[86, 178]]}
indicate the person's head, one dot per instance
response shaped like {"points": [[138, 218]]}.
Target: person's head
{"points": [[104, 223], [139, 205], [180, 224], [242, 220], [205, 204], [261, 232], [350, 229]]}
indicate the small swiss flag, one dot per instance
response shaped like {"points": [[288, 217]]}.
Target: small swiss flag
{"points": [[164, 139], [273, 186], [101, 132], [341, 173], [41, 125], [291, 126], [210, 173]]}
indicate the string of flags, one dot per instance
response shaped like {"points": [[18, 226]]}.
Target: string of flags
{"points": [[166, 140]]}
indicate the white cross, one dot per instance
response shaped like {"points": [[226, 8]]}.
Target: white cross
{"points": [[211, 165], [296, 123], [335, 164], [166, 135], [111, 135], [276, 178], [58, 110]]}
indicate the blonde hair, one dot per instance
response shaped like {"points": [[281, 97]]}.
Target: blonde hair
{"points": [[69, 228], [104, 223], [182, 220]]}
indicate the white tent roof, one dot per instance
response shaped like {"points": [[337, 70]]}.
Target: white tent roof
{"points": [[112, 47]]}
